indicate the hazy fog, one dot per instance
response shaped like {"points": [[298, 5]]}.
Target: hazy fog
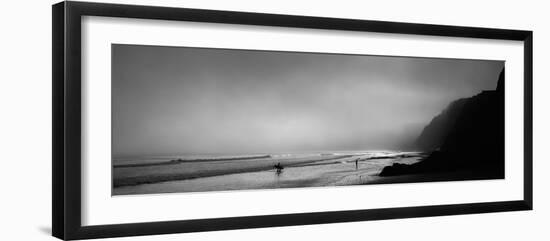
{"points": [[168, 100]]}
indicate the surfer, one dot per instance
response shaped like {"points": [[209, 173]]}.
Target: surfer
{"points": [[279, 168]]}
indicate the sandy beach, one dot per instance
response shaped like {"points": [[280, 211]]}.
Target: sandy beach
{"points": [[306, 171]]}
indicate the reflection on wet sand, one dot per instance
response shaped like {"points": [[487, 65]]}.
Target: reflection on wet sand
{"points": [[335, 172]]}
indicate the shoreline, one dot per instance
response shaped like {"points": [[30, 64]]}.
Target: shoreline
{"points": [[154, 179], [317, 173]]}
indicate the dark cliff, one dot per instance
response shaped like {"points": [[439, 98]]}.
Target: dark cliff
{"points": [[467, 136], [434, 134]]}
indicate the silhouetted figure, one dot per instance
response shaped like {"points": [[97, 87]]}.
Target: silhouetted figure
{"points": [[279, 168], [357, 164]]}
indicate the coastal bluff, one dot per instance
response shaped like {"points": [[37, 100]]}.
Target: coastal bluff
{"points": [[466, 137]]}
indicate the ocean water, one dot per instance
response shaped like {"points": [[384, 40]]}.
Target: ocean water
{"points": [[199, 173]]}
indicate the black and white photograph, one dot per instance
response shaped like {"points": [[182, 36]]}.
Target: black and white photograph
{"points": [[275, 120], [188, 119]]}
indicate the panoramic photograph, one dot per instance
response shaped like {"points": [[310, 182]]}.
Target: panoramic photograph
{"points": [[188, 119]]}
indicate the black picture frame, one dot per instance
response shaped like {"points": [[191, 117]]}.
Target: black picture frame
{"points": [[66, 159]]}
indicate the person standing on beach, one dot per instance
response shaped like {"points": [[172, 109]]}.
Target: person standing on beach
{"points": [[356, 163]]}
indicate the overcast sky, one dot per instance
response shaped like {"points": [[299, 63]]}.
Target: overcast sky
{"points": [[175, 100]]}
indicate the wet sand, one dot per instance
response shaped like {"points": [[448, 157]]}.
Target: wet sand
{"points": [[326, 172]]}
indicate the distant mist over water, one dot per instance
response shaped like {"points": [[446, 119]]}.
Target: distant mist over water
{"points": [[182, 101]]}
